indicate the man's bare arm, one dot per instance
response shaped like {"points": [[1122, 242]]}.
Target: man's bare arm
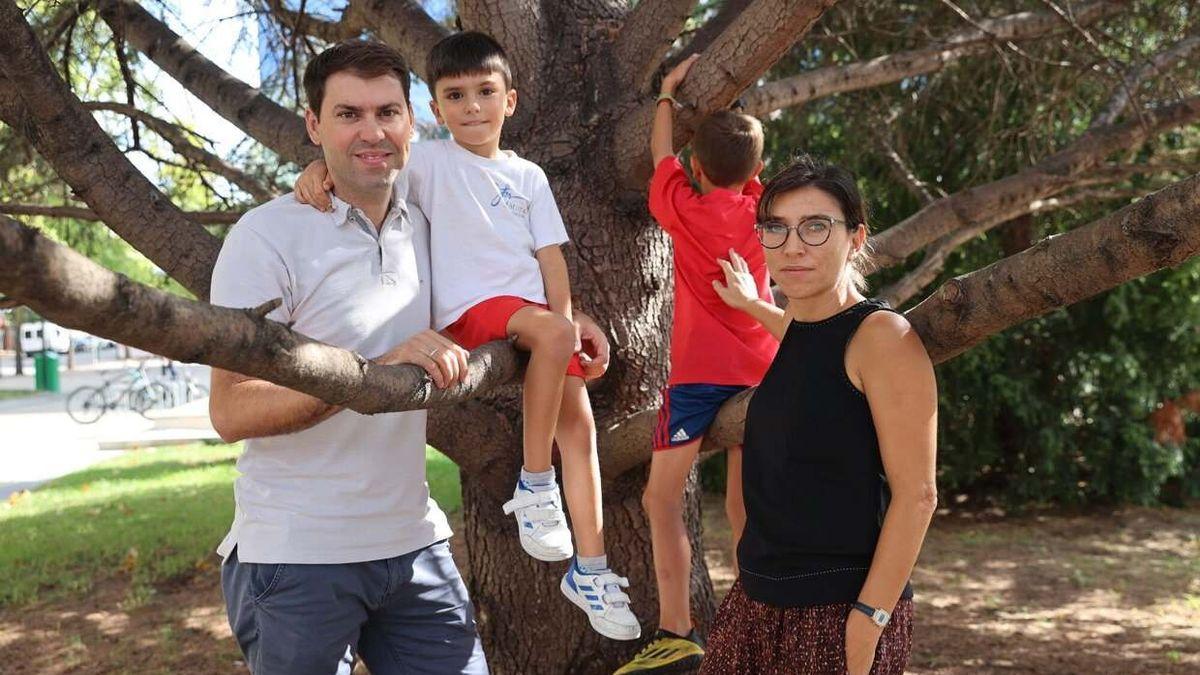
{"points": [[244, 407]]}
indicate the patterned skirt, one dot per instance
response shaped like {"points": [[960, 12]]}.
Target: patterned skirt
{"points": [[752, 638]]}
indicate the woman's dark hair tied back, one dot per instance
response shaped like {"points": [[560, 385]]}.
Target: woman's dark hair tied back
{"points": [[805, 171]]}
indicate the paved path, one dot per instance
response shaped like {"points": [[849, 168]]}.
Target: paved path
{"points": [[40, 442]]}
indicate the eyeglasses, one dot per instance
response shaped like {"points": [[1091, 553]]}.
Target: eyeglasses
{"points": [[813, 230]]}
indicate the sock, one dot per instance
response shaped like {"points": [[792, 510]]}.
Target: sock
{"points": [[592, 565], [539, 481]]}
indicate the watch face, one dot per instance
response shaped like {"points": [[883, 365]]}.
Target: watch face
{"points": [[880, 618]]}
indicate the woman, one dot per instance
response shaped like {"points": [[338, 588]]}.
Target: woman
{"points": [[846, 415]]}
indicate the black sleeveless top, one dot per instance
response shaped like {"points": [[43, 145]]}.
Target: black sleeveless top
{"points": [[812, 476]]}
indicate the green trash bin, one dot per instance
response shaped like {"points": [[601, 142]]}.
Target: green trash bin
{"points": [[50, 379], [45, 371], [39, 372]]}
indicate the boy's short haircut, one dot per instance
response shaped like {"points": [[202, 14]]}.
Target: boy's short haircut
{"points": [[728, 146], [364, 58], [467, 53]]}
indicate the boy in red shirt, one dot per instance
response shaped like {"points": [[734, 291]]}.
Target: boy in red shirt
{"points": [[716, 351]]}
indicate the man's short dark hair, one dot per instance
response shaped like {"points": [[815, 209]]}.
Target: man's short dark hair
{"points": [[729, 147], [468, 53], [364, 58]]}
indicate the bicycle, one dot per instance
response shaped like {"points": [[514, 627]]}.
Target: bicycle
{"points": [[131, 388]]}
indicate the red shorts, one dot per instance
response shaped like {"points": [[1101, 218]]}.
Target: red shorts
{"points": [[488, 321]]}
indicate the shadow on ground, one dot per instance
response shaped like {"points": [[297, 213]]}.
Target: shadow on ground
{"points": [[1114, 592]]}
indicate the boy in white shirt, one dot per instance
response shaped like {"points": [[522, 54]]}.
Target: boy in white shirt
{"points": [[499, 271]]}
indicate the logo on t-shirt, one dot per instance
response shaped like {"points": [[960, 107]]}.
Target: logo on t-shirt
{"points": [[516, 204]]}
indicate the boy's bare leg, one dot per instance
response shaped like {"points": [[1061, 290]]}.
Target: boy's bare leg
{"points": [[735, 506], [663, 502], [550, 339], [581, 468]]}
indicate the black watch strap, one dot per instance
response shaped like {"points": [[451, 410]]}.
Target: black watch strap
{"points": [[879, 617]]}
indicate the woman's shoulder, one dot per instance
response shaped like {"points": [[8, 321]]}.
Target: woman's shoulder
{"points": [[883, 322], [885, 336]]}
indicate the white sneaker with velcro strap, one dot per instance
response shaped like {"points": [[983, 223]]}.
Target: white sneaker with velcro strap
{"points": [[601, 597], [541, 523]]}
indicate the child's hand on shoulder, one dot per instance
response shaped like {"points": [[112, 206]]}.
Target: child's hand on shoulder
{"points": [[739, 290], [314, 185]]}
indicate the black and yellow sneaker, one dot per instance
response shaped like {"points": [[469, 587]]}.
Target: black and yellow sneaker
{"points": [[667, 653]]}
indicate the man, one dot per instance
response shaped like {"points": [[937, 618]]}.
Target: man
{"points": [[337, 551]]}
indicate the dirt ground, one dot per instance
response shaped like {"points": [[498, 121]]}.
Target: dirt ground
{"points": [[1112, 592]]}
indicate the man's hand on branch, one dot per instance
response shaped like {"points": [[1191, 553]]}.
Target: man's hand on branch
{"points": [[441, 357]]}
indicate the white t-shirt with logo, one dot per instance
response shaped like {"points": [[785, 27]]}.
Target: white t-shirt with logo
{"points": [[351, 488], [488, 217]]}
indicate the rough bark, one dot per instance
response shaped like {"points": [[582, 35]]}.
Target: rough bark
{"points": [[1002, 200], [69, 289], [734, 60], [1160, 231], [821, 82], [80, 213], [403, 25], [322, 29], [709, 30], [178, 139], [501, 572], [244, 106], [648, 32], [38, 104]]}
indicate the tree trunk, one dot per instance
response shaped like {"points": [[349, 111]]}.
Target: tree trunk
{"points": [[509, 587]]}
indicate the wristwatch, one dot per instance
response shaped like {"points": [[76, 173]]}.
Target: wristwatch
{"points": [[878, 616]]}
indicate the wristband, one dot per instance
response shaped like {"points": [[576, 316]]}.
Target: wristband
{"points": [[664, 96]]}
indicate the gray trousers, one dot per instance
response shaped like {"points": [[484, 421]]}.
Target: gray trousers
{"points": [[408, 614]]}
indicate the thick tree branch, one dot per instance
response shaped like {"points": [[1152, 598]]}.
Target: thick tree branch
{"points": [[1009, 197], [649, 31], [755, 39], [176, 136], [245, 107], [306, 24], [1162, 230], [710, 30], [404, 25], [80, 213], [48, 114], [936, 255], [71, 290], [883, 70], [930, 267], [1132, 81]]}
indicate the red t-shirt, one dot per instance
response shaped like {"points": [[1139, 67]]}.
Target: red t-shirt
{"points": [[711, 342]]}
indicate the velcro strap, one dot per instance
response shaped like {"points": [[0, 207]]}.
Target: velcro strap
{"points": [[526, 500]]}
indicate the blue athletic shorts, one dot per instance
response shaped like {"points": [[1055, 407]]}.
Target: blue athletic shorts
{"points": [[687, 412]]}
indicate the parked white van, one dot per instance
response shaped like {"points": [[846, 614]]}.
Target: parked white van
{"points": [[39, 335]]}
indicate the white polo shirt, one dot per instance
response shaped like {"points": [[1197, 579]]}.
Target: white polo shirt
{"points": [[351, 488], [488, 217]]}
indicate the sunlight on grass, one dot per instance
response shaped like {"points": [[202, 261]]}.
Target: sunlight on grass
{"points": [[147, 516]]}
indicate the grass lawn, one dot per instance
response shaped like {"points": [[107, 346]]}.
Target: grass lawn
{"points": [[148, 515], [7, 394]]}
